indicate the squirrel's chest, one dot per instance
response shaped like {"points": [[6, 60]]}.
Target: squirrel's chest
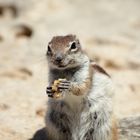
{"points": [[74, 102]]}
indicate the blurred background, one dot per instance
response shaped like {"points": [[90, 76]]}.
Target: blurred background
{"points": [[109, 31]]}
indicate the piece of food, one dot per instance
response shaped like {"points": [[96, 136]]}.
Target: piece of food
{"points": [[57, 93], [55, 85]]}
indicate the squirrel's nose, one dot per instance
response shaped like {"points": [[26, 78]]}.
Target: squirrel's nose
{"points": [[58, 59]]}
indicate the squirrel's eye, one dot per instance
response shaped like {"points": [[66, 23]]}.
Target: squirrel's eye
{"points": [[73, 46], [49, 51]]}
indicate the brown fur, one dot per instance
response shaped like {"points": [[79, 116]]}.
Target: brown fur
{"points": [[82, 88], [99, 69], [114, 129], [60, 42]]}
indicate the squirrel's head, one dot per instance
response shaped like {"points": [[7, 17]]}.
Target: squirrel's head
{"points": [[64, 52]]}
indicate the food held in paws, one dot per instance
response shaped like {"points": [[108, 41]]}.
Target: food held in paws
{"points": [[57, 93]]}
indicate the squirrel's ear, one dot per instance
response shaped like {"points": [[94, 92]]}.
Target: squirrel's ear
{"points": [[78, 43], [77, 40]]}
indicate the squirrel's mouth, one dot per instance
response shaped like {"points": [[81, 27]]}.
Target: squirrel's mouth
{"points": [[64, 64], [61, 66]]}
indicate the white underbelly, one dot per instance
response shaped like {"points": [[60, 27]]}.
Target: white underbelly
{"points": [[75, 102]]}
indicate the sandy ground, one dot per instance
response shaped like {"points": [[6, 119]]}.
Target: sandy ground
{"points": [[109, 31]]}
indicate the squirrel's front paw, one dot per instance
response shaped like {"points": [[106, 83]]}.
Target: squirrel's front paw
{"points": [[64, 85], [49, 92], [56, 91]]}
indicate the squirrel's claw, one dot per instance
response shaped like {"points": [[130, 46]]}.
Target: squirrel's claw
{"points": [[64, 85], [49, 91]]}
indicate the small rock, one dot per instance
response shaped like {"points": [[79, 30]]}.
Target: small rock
{"points": [[40, 112], [4, 107], [23, 31]]}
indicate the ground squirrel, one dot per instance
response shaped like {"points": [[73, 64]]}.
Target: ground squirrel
{"points": [[83, 111]]}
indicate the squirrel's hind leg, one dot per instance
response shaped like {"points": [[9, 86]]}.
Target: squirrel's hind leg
{"points": [[40, 135]]}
